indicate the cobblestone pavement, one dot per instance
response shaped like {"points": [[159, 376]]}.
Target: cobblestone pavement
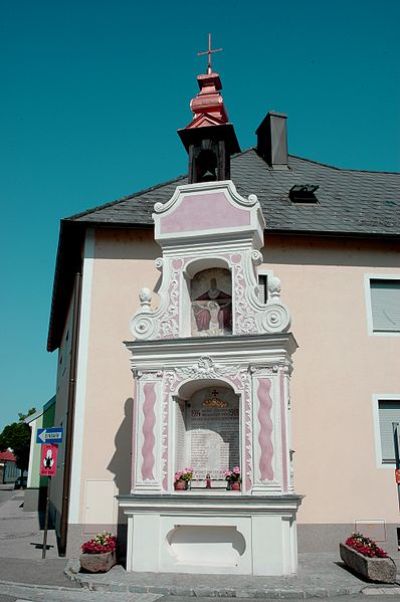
{"points": [[15, 594], [27, 594], [319, 575]]}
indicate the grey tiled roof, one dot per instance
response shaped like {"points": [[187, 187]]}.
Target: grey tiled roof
{"points": [[349, 201]]}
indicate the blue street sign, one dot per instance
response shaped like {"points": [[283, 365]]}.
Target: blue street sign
{"points": [[53, 434]]}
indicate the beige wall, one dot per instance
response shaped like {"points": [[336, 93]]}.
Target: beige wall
{"points": [[337, 369], [124, 263]]}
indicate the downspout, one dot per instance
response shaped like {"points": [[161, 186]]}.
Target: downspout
{"points": [[62, 542]]}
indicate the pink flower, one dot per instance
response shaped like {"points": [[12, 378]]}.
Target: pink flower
{"points": [[178, 475], [236, 470]]}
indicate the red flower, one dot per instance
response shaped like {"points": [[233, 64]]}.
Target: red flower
{"points": [[102, 542], [365, 546]]}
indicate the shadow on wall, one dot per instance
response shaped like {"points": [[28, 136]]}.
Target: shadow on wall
{"points": [[120, 467]]}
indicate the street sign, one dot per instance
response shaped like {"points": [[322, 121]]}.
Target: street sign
{"points": [[53, 434], [48, 460]]}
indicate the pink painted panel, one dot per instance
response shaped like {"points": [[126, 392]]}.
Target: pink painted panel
{"points": [[204, 212], [265, 434], [283, 433], [148, 431]]}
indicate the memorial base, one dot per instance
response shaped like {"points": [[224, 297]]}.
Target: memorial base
{"points": [[218, 534]]}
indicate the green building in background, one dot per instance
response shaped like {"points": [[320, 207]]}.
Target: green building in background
{"points": [[35, 493]]}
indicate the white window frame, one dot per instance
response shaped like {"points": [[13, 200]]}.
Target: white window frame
{"points": [[367, 291], [376, 398]]}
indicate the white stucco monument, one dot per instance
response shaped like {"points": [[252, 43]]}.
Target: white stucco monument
{"points": [[212, 367]]}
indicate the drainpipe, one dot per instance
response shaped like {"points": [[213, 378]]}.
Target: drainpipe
{"points": [[62, 542]]}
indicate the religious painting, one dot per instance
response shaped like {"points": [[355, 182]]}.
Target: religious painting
{"points": [[213, 433], [211, 299]]}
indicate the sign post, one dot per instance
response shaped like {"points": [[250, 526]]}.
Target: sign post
{"points": [[396, 441], [48, 468]]}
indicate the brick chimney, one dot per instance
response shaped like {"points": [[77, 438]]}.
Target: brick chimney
{"points": [[272, 140]]}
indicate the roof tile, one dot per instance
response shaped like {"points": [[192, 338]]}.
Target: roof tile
{"points": [[349, 201]]}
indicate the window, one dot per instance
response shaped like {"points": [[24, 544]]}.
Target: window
{"points": [[263, 288], [383, 304], [388, 412]]}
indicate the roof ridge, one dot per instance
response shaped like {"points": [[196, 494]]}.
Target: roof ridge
{"points": [[394, 173], [251, 148]]}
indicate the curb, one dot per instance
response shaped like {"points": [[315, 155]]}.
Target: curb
{"points": [[60, 588], [204, 591]]}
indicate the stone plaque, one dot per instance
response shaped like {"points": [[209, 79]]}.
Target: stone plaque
{"points": [[213, 429]]}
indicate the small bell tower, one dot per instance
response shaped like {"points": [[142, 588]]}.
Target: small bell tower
{"points": [[209, 138]]}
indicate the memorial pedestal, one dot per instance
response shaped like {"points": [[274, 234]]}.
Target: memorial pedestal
{"points": [[211, 533]]}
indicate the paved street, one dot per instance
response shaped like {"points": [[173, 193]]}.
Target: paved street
{"points": [[5, 494], [24, 576], [14, 594]]}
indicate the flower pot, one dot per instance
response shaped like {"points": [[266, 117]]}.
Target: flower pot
{"points": [[373, 569], [98, 563], [235, 486], [180, 485]]}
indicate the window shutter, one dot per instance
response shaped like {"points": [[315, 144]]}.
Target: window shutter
{"points": [[385, 303], [389, 411]]}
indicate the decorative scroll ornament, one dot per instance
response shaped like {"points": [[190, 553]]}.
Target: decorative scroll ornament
{"points": [[204, 369], [162, 323], [276, 317]]}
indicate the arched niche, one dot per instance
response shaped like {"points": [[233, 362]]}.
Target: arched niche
{"points": [[211, 302], [207, 431]]}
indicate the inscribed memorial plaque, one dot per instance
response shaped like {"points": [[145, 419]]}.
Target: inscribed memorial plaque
{"points": [[213, 428]]}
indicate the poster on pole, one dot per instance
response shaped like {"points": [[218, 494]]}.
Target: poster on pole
{"points": [[48, 460]]}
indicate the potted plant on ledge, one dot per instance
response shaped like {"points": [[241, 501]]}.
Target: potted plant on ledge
{"points": [[363, 556], [183, 479], [98, 554], [233, 479]]}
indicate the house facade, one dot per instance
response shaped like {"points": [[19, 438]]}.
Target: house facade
{"points": [[315, 248]]}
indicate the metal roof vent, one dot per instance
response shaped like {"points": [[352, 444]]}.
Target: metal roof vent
{"points": [[304, 193]]}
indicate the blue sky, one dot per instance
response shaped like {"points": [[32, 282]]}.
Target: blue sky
{"points": [[93, 92]]}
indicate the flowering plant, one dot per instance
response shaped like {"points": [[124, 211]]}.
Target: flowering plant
{"points": [[233, 475], [102, 542], [365, 546], [184, 475]]}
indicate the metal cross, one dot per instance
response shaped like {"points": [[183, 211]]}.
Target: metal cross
{"points": [[215, 393], [210, 51]]}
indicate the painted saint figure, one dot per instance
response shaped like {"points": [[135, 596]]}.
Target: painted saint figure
{"points": [[213, 312]]}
